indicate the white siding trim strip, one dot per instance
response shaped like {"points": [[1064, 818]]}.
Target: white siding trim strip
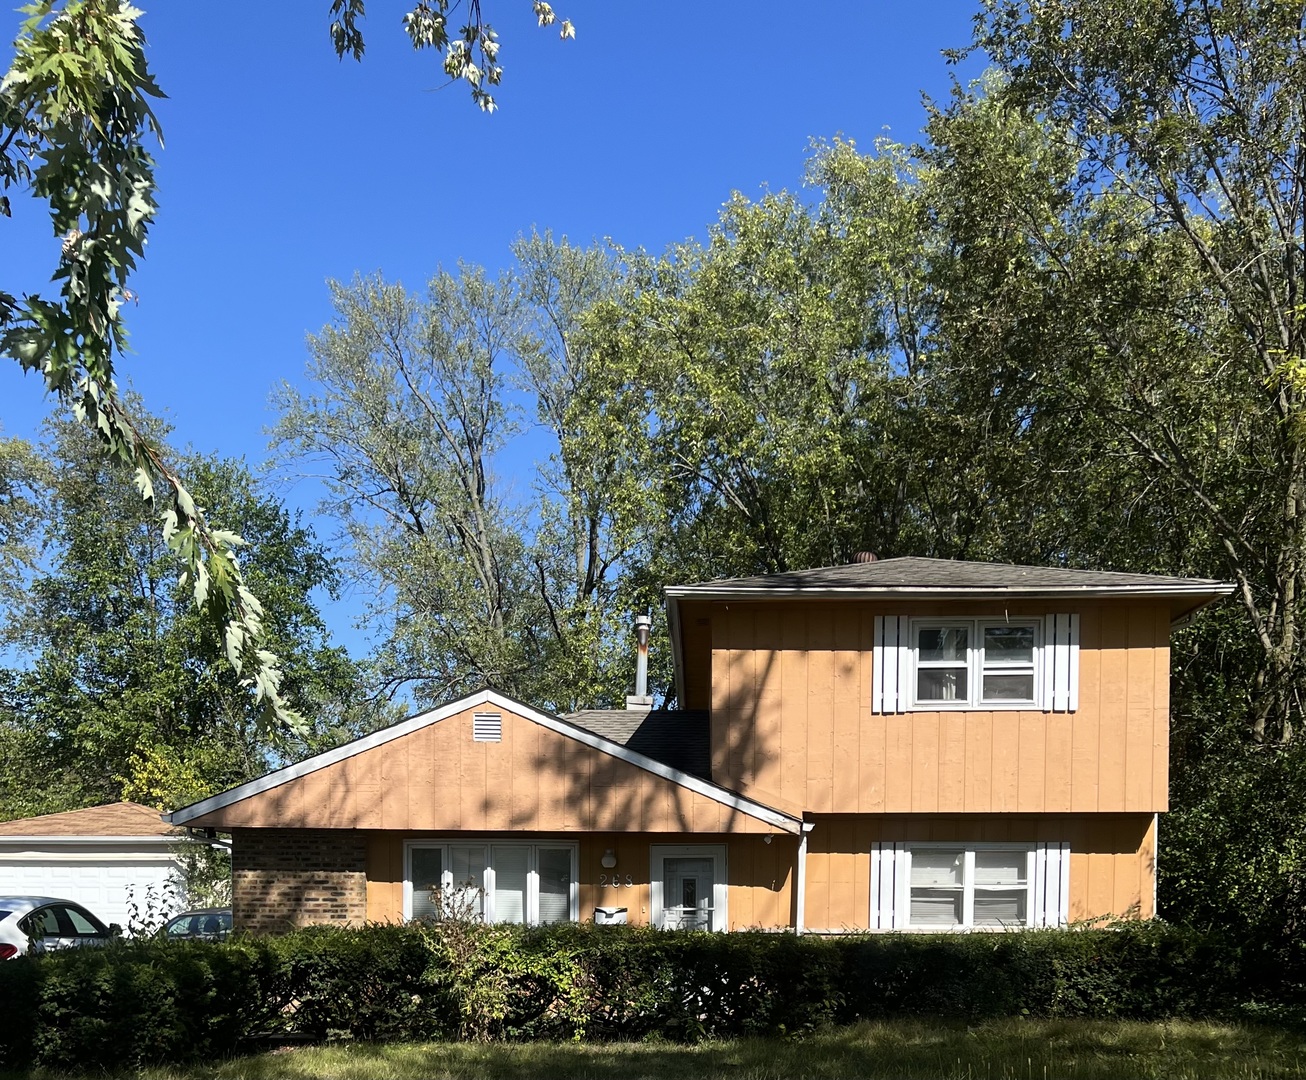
{"points": [[493, 698]]}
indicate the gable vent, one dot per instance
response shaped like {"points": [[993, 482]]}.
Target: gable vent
{"points": [[487, 727]]}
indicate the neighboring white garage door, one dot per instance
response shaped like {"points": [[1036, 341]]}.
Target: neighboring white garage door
{"points": [[103, 882]]}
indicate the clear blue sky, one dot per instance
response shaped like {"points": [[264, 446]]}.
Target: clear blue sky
{"points": [[284, 167]]}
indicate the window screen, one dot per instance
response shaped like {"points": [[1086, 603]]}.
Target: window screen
{"points": [[555, 884], [510, 864], [428, 873], [937, 887]]}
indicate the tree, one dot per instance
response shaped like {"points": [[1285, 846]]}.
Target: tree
{"points": [[479, 580], [1067, 330], [427, 26], [120, 689], [1192, 113], [591, 514], [409, 412], [76, 102], [734, 379]]}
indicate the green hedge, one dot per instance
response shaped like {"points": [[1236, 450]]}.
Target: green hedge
{"points": [[137, 1003]]}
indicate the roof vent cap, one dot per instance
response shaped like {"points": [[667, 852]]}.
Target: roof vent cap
{"points": [[865, 556]]}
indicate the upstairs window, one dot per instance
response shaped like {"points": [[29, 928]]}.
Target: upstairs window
{"points": [[975, 663], [972, 663]]}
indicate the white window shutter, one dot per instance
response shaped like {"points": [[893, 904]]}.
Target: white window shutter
{"points": [[1061, 663], [1051, 884], [888, 886], [890, 665]]}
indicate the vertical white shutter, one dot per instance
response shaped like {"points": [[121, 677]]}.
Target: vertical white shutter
{"points": [[1061, 663], [890, 665], [1051, 905], [888, 886]]}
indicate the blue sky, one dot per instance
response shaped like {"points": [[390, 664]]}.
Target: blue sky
{"points": [[284, 167]]}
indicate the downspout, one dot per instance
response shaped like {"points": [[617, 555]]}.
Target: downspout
{"points": [[1156, 858], [800, 879]]}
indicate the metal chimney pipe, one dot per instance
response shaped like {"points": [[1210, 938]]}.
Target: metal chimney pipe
{"points": [[640, 700], [643, 626]]}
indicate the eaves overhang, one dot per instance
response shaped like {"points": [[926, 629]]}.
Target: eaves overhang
{"points": [[1200, 594], [709, 591], [1185, 599]]}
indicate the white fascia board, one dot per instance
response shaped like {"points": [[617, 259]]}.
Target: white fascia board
{"points": [[898, 592], [124, 841], [686, 780], [1202, 595]]}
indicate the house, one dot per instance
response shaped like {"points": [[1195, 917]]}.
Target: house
{"points": [[106, 858], [900, 744]]}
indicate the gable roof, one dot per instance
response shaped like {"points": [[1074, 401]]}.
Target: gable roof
{"points": [[695, 784], [125, 819], [680, 738], [934, 577]]}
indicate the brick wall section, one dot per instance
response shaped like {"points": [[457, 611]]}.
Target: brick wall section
{"points": [[285, 878]]}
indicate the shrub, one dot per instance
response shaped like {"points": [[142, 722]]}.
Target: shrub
{"points": [[130, 1004], [157, 1001], [365, 984]]}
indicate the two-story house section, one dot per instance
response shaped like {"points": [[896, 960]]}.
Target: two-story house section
{"points": [[908, 744], [970, 744]]}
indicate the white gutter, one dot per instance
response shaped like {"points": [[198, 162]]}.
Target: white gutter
{"points": [[735, 592], [677, 650], [800, 879], [106, 840]]}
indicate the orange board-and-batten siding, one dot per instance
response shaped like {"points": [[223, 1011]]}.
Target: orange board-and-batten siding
{"points": [[759, 875], [1112, 859], [1112, 866], [437, 778], [792, 726]]}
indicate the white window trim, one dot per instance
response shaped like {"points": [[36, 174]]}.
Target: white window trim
{"points": [[1056, 665], [1047, 874], [975, 666], [720, 878], [487, 883]]}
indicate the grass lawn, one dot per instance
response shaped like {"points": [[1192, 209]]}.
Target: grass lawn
{"points": [[901, 1050]]}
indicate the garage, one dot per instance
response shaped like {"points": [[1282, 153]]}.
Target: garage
{"points": [[103, 857]]}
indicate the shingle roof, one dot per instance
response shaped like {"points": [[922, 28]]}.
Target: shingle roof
{"points": [[947, 575], [679, 738], [112, 819]]}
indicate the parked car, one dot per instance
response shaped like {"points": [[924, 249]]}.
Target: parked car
{"points": [[203, 924], [39, 924]]}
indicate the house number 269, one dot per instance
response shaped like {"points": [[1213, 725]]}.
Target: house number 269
{"points": [[616, 881]]}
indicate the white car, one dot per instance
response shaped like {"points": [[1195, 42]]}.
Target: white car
{"points": [[39, 924]]}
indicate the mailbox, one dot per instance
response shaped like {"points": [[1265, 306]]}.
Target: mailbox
{"points": [[610, 916]]}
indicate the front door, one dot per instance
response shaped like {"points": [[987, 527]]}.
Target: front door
{"points": [[687, 894]]}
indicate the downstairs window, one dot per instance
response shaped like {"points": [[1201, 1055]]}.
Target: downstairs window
{"points": [[968, 886], [529, 884]]}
